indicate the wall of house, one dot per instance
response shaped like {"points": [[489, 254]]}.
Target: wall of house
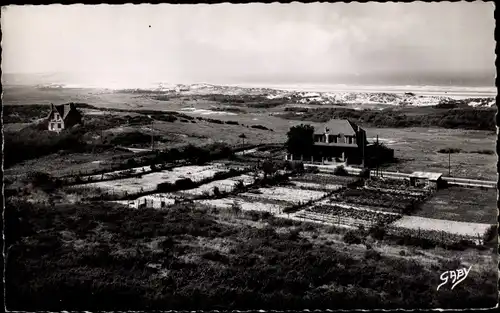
{"points": [[56, 122], [333, 139]]}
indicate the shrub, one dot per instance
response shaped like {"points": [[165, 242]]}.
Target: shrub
{"points": [[32, 143], [260, 127], [490, 152], [377, 232], [217, 192], [372, 254], [215, 256], [352, 237], [239, 185], [490, 234], [365, 173], [340, 171], [449, 150], [294, 234], [236, 208]]}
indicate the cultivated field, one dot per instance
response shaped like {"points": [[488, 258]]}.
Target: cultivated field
{"points": [[471, 205], [452, 227]]}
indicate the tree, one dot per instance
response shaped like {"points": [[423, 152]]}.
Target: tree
{"points": [[300, 140], [242, 137], [268, 167]]}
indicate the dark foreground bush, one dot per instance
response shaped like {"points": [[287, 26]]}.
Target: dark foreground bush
{"points": [[372, 254], [352, 237], [31, 143], [63, 263]]}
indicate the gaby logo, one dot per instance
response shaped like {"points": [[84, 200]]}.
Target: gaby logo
{"points": [[456, 277]]}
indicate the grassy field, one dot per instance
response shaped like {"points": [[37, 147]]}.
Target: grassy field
{"points": [[105, 257], [472, 205]]}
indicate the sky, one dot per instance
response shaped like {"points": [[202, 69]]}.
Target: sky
{"points": [[368, 43]]}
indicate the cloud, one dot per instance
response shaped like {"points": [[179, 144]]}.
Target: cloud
{"points": [[213, 42]]}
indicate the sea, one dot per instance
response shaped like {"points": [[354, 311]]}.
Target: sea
{"points": [[61, 81]]}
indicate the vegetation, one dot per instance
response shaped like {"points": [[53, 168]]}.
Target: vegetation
{"points": [[30, 143], [101, 257], [462, 118], [133, 138], [340, 171], [29, 113], [300, 140], [449, 150]]}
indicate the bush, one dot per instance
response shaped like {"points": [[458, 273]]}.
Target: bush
{"points": [[260, 127], [449, 150], [43, 181], [490, 234], [352, 237], [184, 183], [215, 256], [490, 152], [31, 143], [340, 171], [377, 232], [365, 173], [294, 234], [372, 254], [217, 192]]}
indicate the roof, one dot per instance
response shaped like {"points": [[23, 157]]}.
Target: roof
{"points": [[335, 126], [428, 175], [63, 109]]}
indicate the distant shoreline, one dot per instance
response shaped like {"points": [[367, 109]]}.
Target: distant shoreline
{"points": [[456, 92]]}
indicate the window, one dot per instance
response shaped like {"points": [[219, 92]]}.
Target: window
{"points": [[59, 125]]}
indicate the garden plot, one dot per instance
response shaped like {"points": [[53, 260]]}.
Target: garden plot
{"points": [[459, 228], [384, 201], [245, 205], [224, 185], [156, 201], [291, 195], [149, 182], [343, 212], [316, 186], [326, 179]]}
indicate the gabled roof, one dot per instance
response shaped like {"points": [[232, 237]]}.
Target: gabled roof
{"points": [[63, 109], [336, 127]]}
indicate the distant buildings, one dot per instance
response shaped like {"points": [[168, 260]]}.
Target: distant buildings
{"points": [[63, 116]]}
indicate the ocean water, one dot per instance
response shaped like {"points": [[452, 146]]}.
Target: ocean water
{"points": [[127, 82]]}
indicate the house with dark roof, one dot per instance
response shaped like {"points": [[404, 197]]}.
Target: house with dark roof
{"points": [[63, 116], [340, 141]]}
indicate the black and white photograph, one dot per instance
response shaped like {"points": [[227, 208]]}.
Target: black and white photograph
{"points": [[258, 156]]}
